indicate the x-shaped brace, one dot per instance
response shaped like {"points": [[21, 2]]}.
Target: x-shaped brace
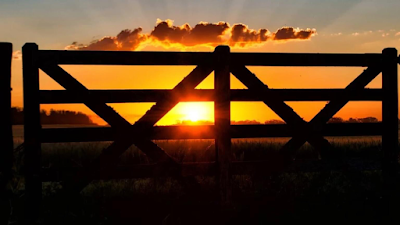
{"points": [[109, 156], [303, 131]]}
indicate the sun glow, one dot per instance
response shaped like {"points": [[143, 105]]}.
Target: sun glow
{"points": [[194, 112]]}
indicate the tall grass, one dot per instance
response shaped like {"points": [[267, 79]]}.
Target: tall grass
{"points": [[80, 154], [287, 197]]}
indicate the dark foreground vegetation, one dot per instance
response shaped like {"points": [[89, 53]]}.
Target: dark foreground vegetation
{"points": [[325, 197]]}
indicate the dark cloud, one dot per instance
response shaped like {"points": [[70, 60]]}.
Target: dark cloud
{"points": [[286, 33], [165, 31], [203, 33], [241, 35], [126, 40]]}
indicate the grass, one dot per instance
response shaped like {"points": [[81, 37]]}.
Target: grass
{"points": [[313, 197]]}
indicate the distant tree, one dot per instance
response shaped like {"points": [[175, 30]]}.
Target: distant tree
{"points": [[53, 117], [189, 122], [274, 122], [368, 120], [351, 120], [241, 122], [336, 120]]}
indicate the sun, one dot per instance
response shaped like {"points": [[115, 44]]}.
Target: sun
{"points": [[194, 112]]}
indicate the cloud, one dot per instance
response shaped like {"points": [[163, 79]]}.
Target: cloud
{"points": [[355, 34], [241, 35], [202, 33], [126, 40], [286, 33], [166, 34], [397, 34]]}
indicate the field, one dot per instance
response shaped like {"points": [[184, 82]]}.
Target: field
{"points": [[328, 197]]}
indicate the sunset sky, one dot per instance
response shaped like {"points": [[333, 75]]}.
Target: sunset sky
{"points": [[345, 26]]}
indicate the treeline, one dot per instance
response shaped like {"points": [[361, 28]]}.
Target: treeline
{"points": [[53, 117], [274, 121], [354, 120]]}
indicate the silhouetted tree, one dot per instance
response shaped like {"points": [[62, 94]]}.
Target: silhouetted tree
{"points": [[241, 122], [189, 122], [368, 120], [274, 122], [336, 120], [53, 117], [352, 120]]}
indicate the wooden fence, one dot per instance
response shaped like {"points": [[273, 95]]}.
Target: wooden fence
{"points": [[6, 137], [223, 63]]}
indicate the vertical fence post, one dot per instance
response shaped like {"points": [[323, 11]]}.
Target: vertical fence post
{"points": [[222, 117], [390, 124], [33, 183], [6, 137]]}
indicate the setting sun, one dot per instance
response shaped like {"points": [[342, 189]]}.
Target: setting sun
{"points": [[194, 112]]}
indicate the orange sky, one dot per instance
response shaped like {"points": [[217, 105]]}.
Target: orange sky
{"points": [[242, 39], [166, 77]]}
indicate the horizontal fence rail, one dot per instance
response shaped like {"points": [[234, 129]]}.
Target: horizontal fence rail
{"points": [[196, 58], [122, 96], [89, 134]]}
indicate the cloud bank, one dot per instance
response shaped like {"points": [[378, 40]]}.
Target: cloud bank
{"points": [[166, 34]]}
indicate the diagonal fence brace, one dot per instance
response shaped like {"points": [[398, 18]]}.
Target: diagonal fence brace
{"points": [[111, 154], [297, 124], [332, 108]]}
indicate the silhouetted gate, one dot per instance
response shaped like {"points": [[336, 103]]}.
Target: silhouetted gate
{"points": [[222, 62]]}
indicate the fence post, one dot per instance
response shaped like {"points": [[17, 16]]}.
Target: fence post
{"points": [[6, 137], [32, 127], [222, 117], [390, 124]]}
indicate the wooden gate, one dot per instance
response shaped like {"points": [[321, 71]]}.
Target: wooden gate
{"points": [[223, 63]]}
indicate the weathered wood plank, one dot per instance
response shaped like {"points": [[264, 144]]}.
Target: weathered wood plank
{"points": [[305, 59], [122, 96], [32, 128], [89, 134], [195, 58], [6, 137], [390, 108], [124, 57], [390, 140], [222, 118], [5, 106]]}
